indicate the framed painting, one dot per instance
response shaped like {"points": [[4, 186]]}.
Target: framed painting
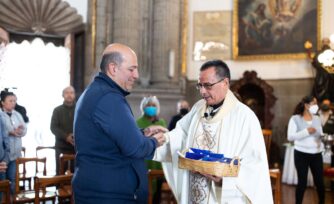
{"points": [[275, 29], [212, 35]]}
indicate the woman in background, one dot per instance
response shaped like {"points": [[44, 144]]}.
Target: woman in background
{"points": [[15, 128], [150, 108], [304, 130]]}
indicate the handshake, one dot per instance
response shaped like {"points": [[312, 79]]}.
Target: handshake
{"points": [[156, 132]]}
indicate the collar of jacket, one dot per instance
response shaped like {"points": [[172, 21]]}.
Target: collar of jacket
{"points": [[102, 76]]}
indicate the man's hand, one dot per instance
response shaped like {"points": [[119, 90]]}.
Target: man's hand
{"points": [[70, 139], [213, 178], [3, 166], [154, 129], [160, 138]]}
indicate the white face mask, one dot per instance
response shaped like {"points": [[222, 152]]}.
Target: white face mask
{"points": [[314, 109]]}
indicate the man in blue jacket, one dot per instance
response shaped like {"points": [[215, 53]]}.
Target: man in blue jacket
{"points": [[110, 149]]}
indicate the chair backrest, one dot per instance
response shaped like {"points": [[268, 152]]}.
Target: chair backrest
{"points": [[5, 189], [49, 153], [65, 161], [267, 134], [24, 161], [42, 183]]}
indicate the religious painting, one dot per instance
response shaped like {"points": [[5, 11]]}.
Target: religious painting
{"points": [[275, 29], [212, 35]]}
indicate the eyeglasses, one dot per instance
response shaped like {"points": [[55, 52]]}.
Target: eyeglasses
{"points": [[207, 86]]}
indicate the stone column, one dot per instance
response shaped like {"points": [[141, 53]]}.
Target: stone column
{"points": [[166, 38], [126, 23]]}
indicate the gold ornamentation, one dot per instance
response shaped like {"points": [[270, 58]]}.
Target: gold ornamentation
{"points": [[199, 188], [184, 38], [93, 30], [281, 12]]}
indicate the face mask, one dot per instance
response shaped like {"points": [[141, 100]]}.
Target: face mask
{"points": [[184, 111], [324, 107], [150, 111], [314, 109]]}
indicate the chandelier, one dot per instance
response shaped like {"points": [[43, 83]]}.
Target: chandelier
{"points": [[325, 56]]}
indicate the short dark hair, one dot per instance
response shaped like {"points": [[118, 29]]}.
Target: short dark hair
{"points": [[222, 70], [112, 57]]}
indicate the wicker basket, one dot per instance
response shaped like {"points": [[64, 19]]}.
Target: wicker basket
{"points": [[213, 168]]}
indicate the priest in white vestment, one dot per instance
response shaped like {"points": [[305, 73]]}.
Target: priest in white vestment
{"points": [[222, 124]]}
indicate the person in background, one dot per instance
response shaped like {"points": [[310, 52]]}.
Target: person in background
{"points": [[150, 108], [305, 129], [327, 121], [18, 107], [4, 151], [15, 128], [182, 109], [22, 110], [110, 148], [222, 124], [326, 116], [62, 126]]}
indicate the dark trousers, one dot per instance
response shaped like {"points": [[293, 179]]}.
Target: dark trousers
{"points": [[302, 162]]}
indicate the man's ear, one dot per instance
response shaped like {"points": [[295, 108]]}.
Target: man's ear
{"points": [[111, 69]]}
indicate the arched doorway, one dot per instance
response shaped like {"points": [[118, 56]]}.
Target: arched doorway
{"points": [[49, 25]]}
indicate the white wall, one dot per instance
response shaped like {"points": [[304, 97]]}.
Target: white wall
{"points": [[276, 69]]}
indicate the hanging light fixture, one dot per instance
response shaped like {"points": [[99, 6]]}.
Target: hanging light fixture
{"points": [[325, 57]]}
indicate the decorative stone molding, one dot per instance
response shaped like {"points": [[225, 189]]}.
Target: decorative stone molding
{"points": [[263, 100], [40, 17]]}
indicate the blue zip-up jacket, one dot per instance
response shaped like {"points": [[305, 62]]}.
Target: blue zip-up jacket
{"points": [[110, 148]]}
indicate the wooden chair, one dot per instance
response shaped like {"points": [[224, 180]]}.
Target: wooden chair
{"points": [[65, 161], [267, 140], [275, 174], [60, 181], [26, 196], [5, 190], [21, 172], [46, 151], [165, 189], [24, 181]]}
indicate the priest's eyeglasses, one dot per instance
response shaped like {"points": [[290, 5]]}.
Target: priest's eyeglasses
{"points": [[207, 86]]}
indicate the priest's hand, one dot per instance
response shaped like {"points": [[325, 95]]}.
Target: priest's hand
{"points": [[216, 179], [160, 137], [154, 129], [213, 178]]}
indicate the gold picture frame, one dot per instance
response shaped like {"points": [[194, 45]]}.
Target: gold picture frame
{"points": [[275, 29]]}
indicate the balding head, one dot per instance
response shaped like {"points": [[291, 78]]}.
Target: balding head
{"points": [[69, 95], [119, 62], [117, 47]]}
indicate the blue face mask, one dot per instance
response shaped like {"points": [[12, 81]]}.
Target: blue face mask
{"points": [[150, 111]]}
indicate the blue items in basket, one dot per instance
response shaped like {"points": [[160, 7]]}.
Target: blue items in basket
{"points": [[206, 155]]}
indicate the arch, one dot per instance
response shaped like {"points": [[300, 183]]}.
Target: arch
{"points": [[258, 95], [53, 21], [39, 17]]}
